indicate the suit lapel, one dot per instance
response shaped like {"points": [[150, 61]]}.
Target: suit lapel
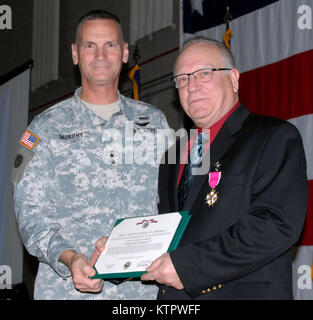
{"points": [[228, 134], [172, 177], [196, 185]]}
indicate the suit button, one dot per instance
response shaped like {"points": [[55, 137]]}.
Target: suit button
{"points": [[163, 292], [219, 286], [214, 288], [208, 290], [203, 291]]}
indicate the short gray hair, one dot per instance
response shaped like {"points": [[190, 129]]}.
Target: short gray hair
{"points": [[227, 55], [98, 15]]}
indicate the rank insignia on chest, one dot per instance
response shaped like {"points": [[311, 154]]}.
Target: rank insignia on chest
{"points": [[29, 140], [142, 121], [213, 180]]}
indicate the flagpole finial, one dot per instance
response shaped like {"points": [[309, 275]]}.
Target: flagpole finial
{"points": [[228, 33], [228, 16]]}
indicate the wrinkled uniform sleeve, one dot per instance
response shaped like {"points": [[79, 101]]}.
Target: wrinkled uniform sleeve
{"points": [[36, 207]]}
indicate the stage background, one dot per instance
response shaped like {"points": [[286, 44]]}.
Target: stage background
{"points": [[14, 97]]}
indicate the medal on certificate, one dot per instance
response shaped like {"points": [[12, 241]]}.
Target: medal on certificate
{"points": [[135, 242], [214, 179]]}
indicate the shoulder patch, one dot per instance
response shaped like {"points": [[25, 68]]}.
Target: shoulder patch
{"points": [[29, 140], [22, 160]]}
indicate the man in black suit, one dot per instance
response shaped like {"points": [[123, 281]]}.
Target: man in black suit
{"points": [[248, 207]]}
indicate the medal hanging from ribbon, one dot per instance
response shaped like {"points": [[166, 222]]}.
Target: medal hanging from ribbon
{"points": [[214, 179]]}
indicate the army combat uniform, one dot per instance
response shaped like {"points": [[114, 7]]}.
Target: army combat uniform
{"points": [[74, 177]]}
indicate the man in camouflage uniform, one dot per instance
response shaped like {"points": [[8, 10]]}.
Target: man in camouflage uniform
{"points": [[77, 170]]}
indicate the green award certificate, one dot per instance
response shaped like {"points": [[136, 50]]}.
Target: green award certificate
{"points": [[135, 243]]}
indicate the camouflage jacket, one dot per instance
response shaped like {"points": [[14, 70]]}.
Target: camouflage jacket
{"points": [[82, 174]]}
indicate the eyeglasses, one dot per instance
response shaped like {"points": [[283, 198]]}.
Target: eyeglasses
{"points": [[201, 75]]}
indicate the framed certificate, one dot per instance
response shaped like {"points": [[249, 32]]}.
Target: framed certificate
{"points": [[135, 243]]}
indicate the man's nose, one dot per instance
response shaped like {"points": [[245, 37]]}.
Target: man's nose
{"points": [[193, 84], [101, 53]]}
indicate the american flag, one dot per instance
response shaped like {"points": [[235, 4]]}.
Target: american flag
{"points": [[29, 140]]}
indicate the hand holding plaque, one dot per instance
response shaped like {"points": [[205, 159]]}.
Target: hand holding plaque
{"points": [[135, 242]]}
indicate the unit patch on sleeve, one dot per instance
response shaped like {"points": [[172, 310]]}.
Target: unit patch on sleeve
{"points": [[22, 160]]}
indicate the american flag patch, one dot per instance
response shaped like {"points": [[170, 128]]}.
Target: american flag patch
{"points": [[29, 140]]}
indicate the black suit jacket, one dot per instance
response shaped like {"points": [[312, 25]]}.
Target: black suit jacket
{"points": [[240, 247]]}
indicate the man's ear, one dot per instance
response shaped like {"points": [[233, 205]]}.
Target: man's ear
{"points": [[75, 53], [125, 52], [234, 76]]}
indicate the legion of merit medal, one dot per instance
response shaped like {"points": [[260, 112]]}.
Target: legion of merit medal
{"points": [[214, 179]]}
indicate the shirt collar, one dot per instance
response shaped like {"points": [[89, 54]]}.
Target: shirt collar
{"points": [[89, 118], [215, 128]]}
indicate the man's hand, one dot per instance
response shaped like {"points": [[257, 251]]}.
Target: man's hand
{"points": [[100, 245], [81, 270], [162, 270]]}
